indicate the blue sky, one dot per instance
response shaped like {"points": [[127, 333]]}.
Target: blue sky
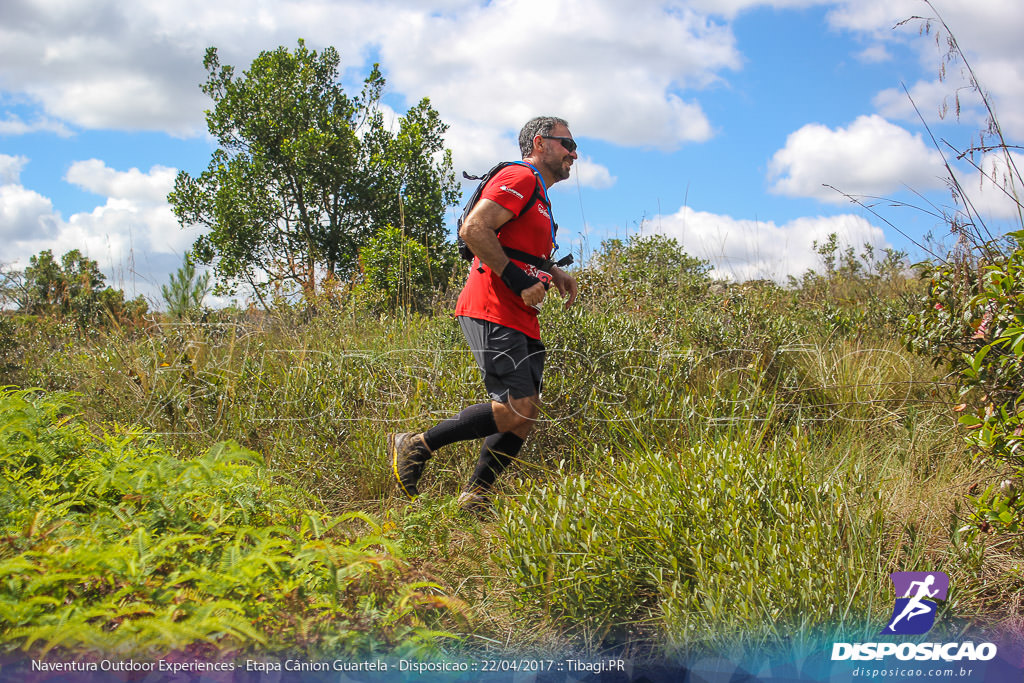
{"points": [[714, 122]]}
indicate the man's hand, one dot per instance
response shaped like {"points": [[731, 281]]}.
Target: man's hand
{"points": [[565, 284], [534, 295]]}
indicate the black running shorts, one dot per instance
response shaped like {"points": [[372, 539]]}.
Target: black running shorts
{"points": [[511, 362]]}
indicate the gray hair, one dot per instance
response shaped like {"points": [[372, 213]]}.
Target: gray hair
{"points": [[540, 125]]}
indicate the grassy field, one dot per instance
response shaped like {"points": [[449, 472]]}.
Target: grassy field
{"points": [[719, 466]]}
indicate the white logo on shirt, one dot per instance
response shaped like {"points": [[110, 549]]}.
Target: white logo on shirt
{"points": [[508, 189], [543, 210]]}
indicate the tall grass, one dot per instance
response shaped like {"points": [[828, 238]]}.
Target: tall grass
{"points": [[733, 538], [715, 463]]}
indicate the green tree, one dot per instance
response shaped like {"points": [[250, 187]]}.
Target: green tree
{"points": [[73, 287], [62, 287], [305, 175], [185, 291], [400, 272]]}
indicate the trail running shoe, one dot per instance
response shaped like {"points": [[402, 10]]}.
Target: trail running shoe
{"points": [[474, 502], [408, 453]]}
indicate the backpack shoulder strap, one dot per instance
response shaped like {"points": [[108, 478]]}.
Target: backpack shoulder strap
{"points": [[538, 193]]}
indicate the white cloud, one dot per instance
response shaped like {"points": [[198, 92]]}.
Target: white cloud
{"points": [[623, 72], [591, 174], [746, 249], [930, 100], [143, 188], [620, 73], [995, 191], [730, 8], [133, 235], [615, 71], [24, 214], [876, 17], [987, 30], [136, 208], [870, 157], [137, 65], [989, 26], [15, 125], [874, 54], [126, 101], [477, 147], [1003, 81], [101, 66], [10, 168]]}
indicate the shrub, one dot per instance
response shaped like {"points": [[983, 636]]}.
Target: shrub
{"points": [[651, 269], [113, 545], [400, 272], [972, 320]]}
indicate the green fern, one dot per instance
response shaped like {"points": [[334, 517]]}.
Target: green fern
{"points": [[117, 546]]}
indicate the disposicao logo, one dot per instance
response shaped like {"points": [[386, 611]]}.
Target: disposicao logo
{"points": [[914, 614]]}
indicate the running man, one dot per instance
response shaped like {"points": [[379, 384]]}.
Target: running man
{"points": [[497, 311], [916, 606]]}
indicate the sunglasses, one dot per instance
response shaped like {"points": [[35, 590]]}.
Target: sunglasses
{"points": [[568, 143]]}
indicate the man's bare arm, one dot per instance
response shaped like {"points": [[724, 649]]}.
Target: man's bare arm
{"points": [[479, 232]]}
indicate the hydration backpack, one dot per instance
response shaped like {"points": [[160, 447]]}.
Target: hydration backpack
{"points": [[538, 196]]}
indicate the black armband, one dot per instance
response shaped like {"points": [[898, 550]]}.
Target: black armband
{"points": [[516, 278]]}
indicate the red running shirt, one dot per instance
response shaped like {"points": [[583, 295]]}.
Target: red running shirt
{"points": [[485, 296]]}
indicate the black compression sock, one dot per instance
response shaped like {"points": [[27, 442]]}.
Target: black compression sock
{"points": [[472, 423], [498, 451]]}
